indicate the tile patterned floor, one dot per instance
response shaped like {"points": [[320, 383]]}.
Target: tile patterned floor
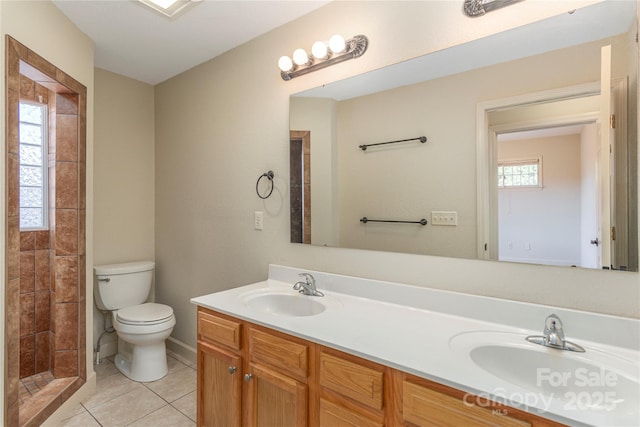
{"points": [[118, 401], [29, 386]]}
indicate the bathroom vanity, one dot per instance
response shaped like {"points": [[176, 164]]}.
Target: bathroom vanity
{"points": [[403, 355]]}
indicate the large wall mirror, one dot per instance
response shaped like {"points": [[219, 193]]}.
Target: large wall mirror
{"points": [[540, 164]]}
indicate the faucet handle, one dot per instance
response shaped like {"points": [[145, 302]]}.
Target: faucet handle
{"points": [[308, 277], [553, 332], [553, 336], [308, 287], [553, 323]]}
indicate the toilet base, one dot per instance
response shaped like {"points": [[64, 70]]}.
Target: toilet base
{"points": [[145, 363]]}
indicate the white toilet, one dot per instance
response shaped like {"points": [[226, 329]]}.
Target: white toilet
{"points": [[142, 327]]}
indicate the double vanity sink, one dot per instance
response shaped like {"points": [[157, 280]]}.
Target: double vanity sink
{"points": [[454, 339]]}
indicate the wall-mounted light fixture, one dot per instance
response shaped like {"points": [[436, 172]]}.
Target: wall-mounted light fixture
{"points": [[473, 8], [323, 54]]}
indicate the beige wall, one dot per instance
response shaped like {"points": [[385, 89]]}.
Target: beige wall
{"points": [[410, 181], [318, 116], [223, 123], [123, 169], [44, 29], [542, 225], [123, 176]]}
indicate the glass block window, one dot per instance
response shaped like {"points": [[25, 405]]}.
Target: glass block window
{"points": [[33, 166], [519, 173]]}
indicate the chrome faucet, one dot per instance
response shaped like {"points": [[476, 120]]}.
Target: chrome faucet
{"points": [[308, 287], [554, 336]]}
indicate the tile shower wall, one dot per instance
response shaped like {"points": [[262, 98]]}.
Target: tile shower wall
{"points": [[35, 291], [50, 260], [67, 239], [35, 277]]}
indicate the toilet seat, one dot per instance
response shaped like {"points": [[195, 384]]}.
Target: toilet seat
{"points": [[145, 314]]}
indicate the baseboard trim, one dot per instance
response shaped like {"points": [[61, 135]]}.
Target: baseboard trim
{"points": [[181, 349]]}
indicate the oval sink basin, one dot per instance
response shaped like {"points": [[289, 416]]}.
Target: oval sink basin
{"points": [[285, 304], [565, 378], [592, 381]]}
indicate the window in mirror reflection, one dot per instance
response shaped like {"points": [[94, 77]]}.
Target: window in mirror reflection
{"points": [[519, 173]]}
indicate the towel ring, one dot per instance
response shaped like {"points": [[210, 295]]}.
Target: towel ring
{"points": [[269, 175]]}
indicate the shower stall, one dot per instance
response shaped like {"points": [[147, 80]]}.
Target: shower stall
{"points": [[45, 299]]}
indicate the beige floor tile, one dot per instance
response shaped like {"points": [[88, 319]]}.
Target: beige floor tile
{"points": [[127, 408], [75, 410], [165, 416], [83, 419], [175, 385], [187, 405], [109, 388], [180, 358], [105, 369], [174, 364]]}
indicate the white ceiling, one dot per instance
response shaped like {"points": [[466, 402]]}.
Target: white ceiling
{"points": [[135, 41], [544, 132]]}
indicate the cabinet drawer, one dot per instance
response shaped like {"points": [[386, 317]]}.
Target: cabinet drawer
{"points": [[360, 383], [332, 415], [218, 330], [425, 407], [287, 356]]}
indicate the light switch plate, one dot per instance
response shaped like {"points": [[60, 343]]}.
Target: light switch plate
{"points": [[444, 218], [258, 220]]}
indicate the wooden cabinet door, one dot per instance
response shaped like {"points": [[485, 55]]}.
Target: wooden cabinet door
{"points": [[273, 399], [219, 387]]}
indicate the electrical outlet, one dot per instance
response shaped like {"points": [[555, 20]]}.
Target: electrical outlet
{"points": [[258, 220], [444, 218]]}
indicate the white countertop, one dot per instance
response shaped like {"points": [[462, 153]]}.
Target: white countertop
{"points": [[424, 332]]}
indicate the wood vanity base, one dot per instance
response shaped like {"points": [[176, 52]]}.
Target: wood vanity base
{"points": [[249, 375]]}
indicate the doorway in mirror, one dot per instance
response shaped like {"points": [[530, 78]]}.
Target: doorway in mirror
{"points": [[574, 212], [300, 185]]}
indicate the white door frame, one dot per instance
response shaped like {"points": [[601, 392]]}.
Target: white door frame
{"points": [[494, 131], [486, 157]]}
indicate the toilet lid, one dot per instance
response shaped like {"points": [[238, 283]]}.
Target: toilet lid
{"points": [[149, 312]]}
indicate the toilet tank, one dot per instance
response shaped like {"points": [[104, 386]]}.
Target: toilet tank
{"points": [[118, 286]]}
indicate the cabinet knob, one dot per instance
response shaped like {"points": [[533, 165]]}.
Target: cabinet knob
{"points": [[247, 377], [232, 369]]}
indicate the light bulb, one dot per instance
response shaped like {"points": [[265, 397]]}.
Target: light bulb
{"points": [[337, 43], [319, 50], [285, 64], [300, 57]]}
